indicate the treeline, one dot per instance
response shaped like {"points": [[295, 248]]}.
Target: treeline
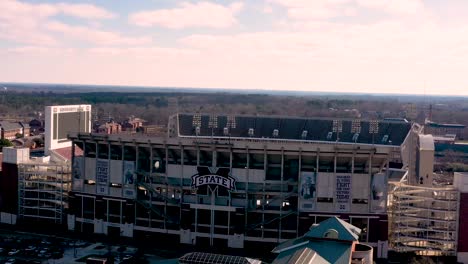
{"points": [[155, 107]]}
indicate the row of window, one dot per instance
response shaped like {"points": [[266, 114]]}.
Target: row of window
{"points": [[156, 162]]}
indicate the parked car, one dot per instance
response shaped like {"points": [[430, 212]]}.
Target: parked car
{"points": [[13, 252], [11, 261]]}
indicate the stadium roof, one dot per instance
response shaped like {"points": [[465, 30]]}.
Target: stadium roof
{"points": [[289, 128]]}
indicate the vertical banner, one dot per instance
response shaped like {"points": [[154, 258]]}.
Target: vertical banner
{"points": [[308, 191], [102, 176], [378, 192], [129, 179], [78, 173], [343, 193]]}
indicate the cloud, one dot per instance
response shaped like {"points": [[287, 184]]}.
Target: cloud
{"points": [[189, 15], [95, 36], [84, 11], [317, 9], [23, 22], [325, 9], [398, 7]]}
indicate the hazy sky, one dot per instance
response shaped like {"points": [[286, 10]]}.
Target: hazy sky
{"points": [[391, 46]]}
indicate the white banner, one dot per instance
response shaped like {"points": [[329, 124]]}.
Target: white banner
{"points": [[102, 176], [129, 173], [308, 191], [343, 193], [129, 179], [378, 192]]}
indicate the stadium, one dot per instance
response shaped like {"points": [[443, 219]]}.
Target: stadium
{"points": [[234, 181]]}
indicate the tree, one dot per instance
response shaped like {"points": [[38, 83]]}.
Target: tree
{"points": [[5, 143]]}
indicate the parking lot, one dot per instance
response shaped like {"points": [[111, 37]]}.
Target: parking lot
{"points": [[21, 247]]}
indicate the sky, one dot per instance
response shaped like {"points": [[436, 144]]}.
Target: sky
{"points": [[376, 46]]}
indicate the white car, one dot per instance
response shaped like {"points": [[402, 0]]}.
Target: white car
{"points": [[11, 261], [13, 252]]}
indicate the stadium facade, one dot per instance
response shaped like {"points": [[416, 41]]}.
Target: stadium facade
{"points": [[235, 181]]}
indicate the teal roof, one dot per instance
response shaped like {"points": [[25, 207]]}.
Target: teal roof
{"points": [[346, 231], [332, 240], [332, 251]]}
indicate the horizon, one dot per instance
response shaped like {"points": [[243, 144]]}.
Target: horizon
{"points": [[229, 90], [411, 47]]}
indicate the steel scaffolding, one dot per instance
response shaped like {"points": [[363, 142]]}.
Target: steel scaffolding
{"points": [[43, 191], [423, 220]]}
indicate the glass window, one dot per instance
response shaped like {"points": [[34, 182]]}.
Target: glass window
{"points": [[103, 151], [256, 161], [206, 158], [90, 150], [144, 159], [239, 160], [223, 159], [130, 153], [116, 152]]}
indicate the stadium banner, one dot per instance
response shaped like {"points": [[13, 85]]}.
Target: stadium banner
{"points": [[378, 192], [213, 178], [308, 191], [343, 193], [78, 168], [78, 173], [129, 173], [129, 179], [102, 176]]}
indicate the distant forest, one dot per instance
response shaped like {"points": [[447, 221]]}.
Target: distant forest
{"points": [[155, 107]]}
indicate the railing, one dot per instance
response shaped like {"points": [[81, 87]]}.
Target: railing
{"points": [[269, 221]]}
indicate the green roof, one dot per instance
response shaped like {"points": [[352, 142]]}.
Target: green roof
{"points": [[346, 231], [332, 240]]}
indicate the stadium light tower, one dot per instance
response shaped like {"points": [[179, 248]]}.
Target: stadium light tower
{"points": [[356, 129], [213, 123], [373, 128], [337, 128]]}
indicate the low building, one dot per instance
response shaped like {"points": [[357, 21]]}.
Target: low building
{"points": [[330, 241], [109, 128], [9, 130], [132, 124]]}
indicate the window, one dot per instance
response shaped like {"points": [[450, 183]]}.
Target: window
{"points": [[144, 159], [256, 161], [130, 153], [90, 150], [206, 158], [239, 160], [223, 159], [103, 151], [116, 152]]}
